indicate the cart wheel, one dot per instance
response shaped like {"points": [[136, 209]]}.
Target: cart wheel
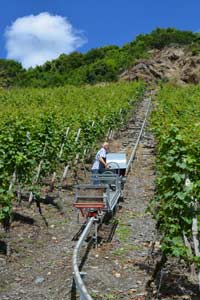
{"points": [[115, 166]]}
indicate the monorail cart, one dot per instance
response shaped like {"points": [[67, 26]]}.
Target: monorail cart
{"points": [[103, 193]]}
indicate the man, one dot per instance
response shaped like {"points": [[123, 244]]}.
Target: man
{"points": [[99, 164]]}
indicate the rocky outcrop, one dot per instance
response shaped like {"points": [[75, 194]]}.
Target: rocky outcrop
{"points": [[168, 64]]}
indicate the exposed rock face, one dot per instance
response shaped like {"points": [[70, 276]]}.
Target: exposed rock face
{"points": [[175, 64]]}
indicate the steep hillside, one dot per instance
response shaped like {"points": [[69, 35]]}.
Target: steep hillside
{"points": [[105, 64], [176, 64]]}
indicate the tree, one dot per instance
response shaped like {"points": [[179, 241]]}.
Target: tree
{"points": [[11, 72]]}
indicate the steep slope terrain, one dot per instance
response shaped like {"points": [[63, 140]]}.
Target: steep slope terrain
{"points": [[40, 264]]}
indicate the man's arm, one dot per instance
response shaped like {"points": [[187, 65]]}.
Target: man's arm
{"points": [[102, 161]]}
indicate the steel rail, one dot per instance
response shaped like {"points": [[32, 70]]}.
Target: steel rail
{"points": [[138, 139], [83, 293], [82, 290]]}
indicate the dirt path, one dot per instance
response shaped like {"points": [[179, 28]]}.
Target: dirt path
{"points": [[119, 270]]}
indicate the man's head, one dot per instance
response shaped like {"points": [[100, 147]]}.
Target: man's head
{"points": [[106, 146]]}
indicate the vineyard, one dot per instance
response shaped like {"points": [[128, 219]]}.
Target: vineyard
{"points": [[175, 207], [44, 130], [132, 231]]}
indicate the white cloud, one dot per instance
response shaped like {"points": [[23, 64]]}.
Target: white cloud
{"points": [[33, 40]]}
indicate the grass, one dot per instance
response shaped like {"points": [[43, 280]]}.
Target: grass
{"points": [[126, 249], [123, 232]]}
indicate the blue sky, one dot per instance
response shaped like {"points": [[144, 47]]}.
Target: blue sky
{"points": [[99, 22]]}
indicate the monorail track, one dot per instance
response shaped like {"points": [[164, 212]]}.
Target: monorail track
{"points": [[132, 135]]}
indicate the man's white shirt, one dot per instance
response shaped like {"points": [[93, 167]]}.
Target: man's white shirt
{"points": [[100, 153]]}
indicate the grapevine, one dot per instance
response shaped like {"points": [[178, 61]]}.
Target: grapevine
{"points": [[176, 203], [33, 125]]}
